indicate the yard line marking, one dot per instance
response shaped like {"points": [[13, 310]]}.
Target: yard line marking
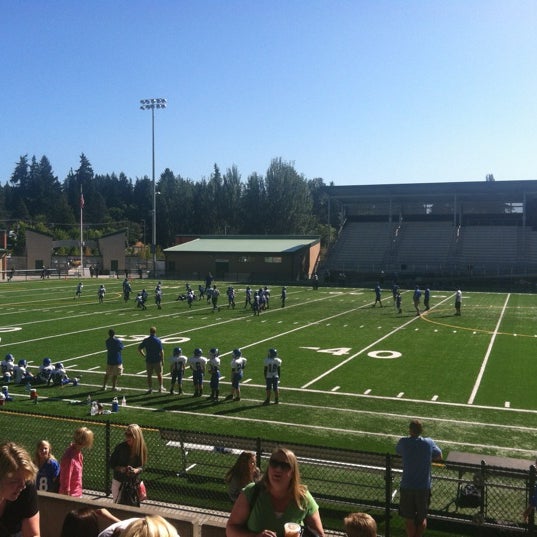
{"points": [[400, 394], [487, 354], [361, 351], [507, 404], [335, 389]]}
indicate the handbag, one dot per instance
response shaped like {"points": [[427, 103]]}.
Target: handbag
{"points": [[128, 493], [142, 491]]}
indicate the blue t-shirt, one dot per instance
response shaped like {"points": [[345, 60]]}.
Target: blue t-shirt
{"points": [[153, 349], [114, 348], [418, 453], [47, 476]]}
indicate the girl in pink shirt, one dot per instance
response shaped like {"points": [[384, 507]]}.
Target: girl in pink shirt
{"points": [[72, 463]]}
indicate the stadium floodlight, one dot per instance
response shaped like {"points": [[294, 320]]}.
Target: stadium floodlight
{"points": [[152, 104]]}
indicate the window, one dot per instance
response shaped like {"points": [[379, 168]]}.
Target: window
{"points": [[273, 259]]}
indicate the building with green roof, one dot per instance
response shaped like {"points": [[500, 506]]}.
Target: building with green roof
{"points": [[245, 257]]}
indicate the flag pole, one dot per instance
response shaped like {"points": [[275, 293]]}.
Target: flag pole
{"points": [[81, 232]]}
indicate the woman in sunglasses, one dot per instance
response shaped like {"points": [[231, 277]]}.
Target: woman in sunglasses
{"points": [[262, 509]]}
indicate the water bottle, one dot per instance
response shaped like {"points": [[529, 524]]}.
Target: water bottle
{"points": [[124, 401], [88, 399], [115, 405]]}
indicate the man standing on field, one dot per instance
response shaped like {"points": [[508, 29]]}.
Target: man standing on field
{"points": [[417, 453], [154, 358]]}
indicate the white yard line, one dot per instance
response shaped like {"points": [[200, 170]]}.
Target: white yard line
{"points": [[487, 354], [361, 351]]}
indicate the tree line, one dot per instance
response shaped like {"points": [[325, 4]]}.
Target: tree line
{"points": [[280, 202]]}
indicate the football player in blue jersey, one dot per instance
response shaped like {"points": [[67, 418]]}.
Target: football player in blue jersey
{"points": [[416, 299], [197, 363], [214, 371], [177, 369], [378, 292]]}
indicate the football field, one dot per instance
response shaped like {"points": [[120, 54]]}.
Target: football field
{"points": [[352, 375]]}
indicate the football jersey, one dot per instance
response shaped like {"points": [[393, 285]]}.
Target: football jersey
{"points": [[272, 365]]}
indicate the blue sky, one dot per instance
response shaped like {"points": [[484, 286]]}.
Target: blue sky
{"points": [[353, 91]]}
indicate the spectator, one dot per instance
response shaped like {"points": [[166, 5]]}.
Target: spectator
{"points": [[264, 508], [127, 461], [49, 468], [417, 453], [86, 522], [150, 526], [243, 472], [360, 525], [20, 513], [114, 360], [154, 358], [72, 462]]}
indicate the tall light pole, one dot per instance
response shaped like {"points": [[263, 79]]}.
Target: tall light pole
{"points": [[151, 104]]}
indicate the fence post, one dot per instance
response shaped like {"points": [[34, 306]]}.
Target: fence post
{"points": [[107, 429], [258, 452], [531, 499], [388, 494]]}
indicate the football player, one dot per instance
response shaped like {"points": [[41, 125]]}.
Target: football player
{"points": [[238, 363], [214, 371], [177, 369], [272, 371], [197, 363]]}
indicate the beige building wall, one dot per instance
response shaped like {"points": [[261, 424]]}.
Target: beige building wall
{"points": [[38, 250]]}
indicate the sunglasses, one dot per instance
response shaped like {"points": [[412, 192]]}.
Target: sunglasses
{"points": [[274, 463]]}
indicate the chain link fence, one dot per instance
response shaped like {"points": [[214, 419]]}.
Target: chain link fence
{"points": [[187, 468]]}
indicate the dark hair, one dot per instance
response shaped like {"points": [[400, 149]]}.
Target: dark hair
{"points": [[415, 427], [111, 332], [81, 522]]}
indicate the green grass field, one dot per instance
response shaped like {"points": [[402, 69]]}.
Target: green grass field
{"points": [[352, 375]]}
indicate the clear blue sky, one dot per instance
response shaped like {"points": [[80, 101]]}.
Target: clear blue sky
{"points": [[353, 91]]}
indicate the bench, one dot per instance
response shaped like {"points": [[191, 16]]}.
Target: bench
{"points": [[460, 457]]}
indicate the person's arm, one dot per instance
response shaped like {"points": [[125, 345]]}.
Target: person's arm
{"points": [[141, 349], [106, 516], [237, 522], [314, 524], [30, 526]]}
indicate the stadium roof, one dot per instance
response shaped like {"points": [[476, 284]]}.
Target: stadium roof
{"points": [[513, 190], [245, 244]]}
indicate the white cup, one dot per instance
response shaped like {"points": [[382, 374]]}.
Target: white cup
{"points": [[291, 529]]}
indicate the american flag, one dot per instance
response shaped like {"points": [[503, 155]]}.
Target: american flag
{"points": [[81, 200]]}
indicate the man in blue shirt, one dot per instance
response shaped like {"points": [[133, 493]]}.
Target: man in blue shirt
{"points": [[154, 358], [114, 361], [417, 453]]}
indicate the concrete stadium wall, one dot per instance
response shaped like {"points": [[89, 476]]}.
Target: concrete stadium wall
{"points": [[53, 508]]}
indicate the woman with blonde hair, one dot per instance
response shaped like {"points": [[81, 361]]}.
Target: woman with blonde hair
{"points": [[127, 461], [48, 467], [243, 472], [72, 462], [280, 497], [19, 513], [150, 526]]}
